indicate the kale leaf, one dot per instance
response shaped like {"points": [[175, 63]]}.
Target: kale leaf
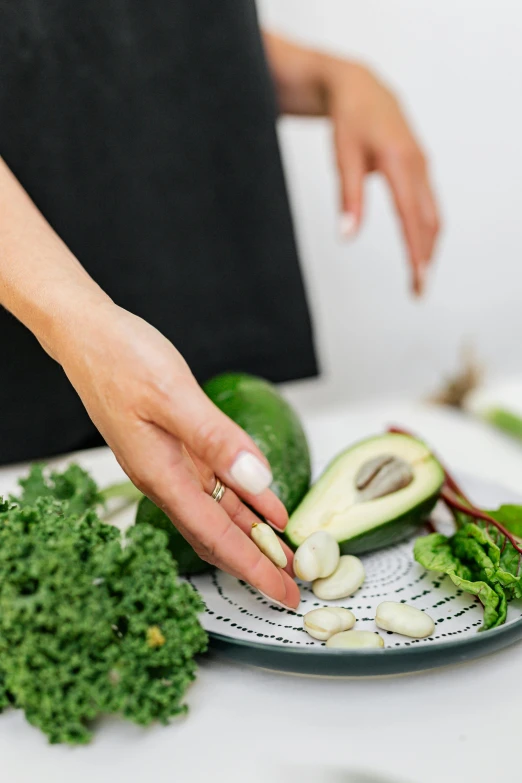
{"points": [[74, 485], [90, 623]]}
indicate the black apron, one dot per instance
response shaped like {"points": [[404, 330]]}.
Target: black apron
{"points": [[145, 133]]}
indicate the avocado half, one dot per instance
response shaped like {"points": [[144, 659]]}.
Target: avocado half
{"points": [[336, 505]]}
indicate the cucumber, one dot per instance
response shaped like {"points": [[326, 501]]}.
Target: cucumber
{"points": [[188, 561], [358, 521], [273, 425]]}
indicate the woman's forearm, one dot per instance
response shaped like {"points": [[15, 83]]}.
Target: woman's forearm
{"points": [[41, 281]]}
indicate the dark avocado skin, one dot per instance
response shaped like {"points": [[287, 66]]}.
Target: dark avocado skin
{"points": [[391, 532], [188, 561], [258, 408]]}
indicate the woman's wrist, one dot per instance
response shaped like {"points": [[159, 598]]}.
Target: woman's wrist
{"points": [[65, 317], [299, 74], [57, 302], [307, 78]]}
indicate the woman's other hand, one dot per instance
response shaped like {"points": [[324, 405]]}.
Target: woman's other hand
{"points": [[371, 133]]}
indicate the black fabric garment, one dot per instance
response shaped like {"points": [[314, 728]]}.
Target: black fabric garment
{"points": [[145, 133]]}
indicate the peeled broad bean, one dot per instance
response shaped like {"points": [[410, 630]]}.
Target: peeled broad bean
{"points": [[404, 619], [323, 623], [345, 580], [269, 544], [347, 618], [318, 556], [352, 640]]}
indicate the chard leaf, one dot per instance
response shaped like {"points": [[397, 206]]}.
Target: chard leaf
{"points": [[498, 562], [434, 552], [502, 605], [509, 571], [511, 517], [472, 544], [438, 553]]}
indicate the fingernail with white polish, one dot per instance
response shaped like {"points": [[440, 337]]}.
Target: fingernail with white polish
{"points": [[250, 473], [277, 603], [348, 224]]}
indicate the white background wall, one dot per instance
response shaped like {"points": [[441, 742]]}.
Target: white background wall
{"points": [[457, 65]]}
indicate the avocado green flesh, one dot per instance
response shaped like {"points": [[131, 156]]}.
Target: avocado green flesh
{"points": [[335, 505], [258, 408], [389, 533]]}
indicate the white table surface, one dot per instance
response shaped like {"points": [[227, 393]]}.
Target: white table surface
{"points": [[456, 724]]}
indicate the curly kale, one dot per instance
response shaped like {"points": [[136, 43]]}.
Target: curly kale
{"points": [[90, 623], [74, 485]]}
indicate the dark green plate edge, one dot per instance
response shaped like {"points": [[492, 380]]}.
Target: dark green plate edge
{"points": [[370, 663]]}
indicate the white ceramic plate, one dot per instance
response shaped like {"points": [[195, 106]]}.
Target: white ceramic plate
{"points": [[243, 624]]}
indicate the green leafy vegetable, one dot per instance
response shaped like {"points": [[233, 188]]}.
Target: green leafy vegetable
{"points": [[483, 557], [510, 516], [89, 623], [74, 485], [458, 558]]}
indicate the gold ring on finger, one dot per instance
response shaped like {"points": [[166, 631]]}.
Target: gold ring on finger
{"points": [[218, 491]]}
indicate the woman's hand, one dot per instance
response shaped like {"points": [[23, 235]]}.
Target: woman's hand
{"points": [[371, 133], [166, 434], [173, 442]]}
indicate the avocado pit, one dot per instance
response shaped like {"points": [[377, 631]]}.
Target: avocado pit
{"points": [[383, 475]]}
